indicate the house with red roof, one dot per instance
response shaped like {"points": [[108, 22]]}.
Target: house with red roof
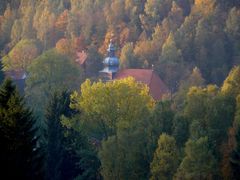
{"points": [[157, 88]]}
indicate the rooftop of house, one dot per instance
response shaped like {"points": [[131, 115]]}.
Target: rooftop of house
{"points": [[157, 87]]}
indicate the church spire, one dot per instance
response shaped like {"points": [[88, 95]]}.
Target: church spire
{"points": [[111, 62], [111, 49]]}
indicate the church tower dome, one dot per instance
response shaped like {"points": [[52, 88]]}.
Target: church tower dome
{"points": [[111, 63]]}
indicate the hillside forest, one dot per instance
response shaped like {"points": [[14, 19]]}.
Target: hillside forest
{"points": [[65, 123]]}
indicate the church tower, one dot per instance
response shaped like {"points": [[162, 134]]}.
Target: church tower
{"points": [[111, 63]]}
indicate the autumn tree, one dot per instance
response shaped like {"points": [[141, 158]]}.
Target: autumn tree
{"points": [[62, 22], [232, 82], [6, 26], [205, 7], [16, 32], [27, 9], [21, 56], [43, 22], [63, 46]]}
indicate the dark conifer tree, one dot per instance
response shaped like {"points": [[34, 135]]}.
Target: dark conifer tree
{"points": [[235, 157], [69, 154], [1, 73], [20, 155], [61, 158]]}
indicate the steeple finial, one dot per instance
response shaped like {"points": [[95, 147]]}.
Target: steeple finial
{"points": [[111, 49]]}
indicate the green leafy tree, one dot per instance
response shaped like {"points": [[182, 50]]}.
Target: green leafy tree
{"points": [[20, 152], [170, 63], [210, 114], [170, 53], [48, 73], [124, 155], [233, 32], [211, 53], [233, 23], [93, 64], [114, 104], [161, 120], [157, 10], [165, 160], [199, 162], [119, 110], [180, 130], [193, 79], [127, 57]]}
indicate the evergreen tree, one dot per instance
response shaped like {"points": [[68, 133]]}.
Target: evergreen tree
{"points": [[234, 154], [56, 142], [235, 157], [69, 154], [55, 109], [20, 155]]}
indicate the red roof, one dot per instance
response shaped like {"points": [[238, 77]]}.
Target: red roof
{"points": [[81, 57], [157, 87]]}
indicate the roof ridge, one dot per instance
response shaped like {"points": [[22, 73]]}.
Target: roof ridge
{"points": [[151, 80]]}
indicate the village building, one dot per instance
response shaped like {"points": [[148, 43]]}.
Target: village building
{"points": [[18, 78], [111, 71]]}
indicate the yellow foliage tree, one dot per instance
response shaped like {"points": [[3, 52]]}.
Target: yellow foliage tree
{"points": [[231, 85], [63, 46], [205, 7], [113, 105]]}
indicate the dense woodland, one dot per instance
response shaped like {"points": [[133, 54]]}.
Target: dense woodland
{"points": [[69, 125]]}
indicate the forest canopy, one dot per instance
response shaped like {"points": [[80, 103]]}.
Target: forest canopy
{"points": [[68, 123]]}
